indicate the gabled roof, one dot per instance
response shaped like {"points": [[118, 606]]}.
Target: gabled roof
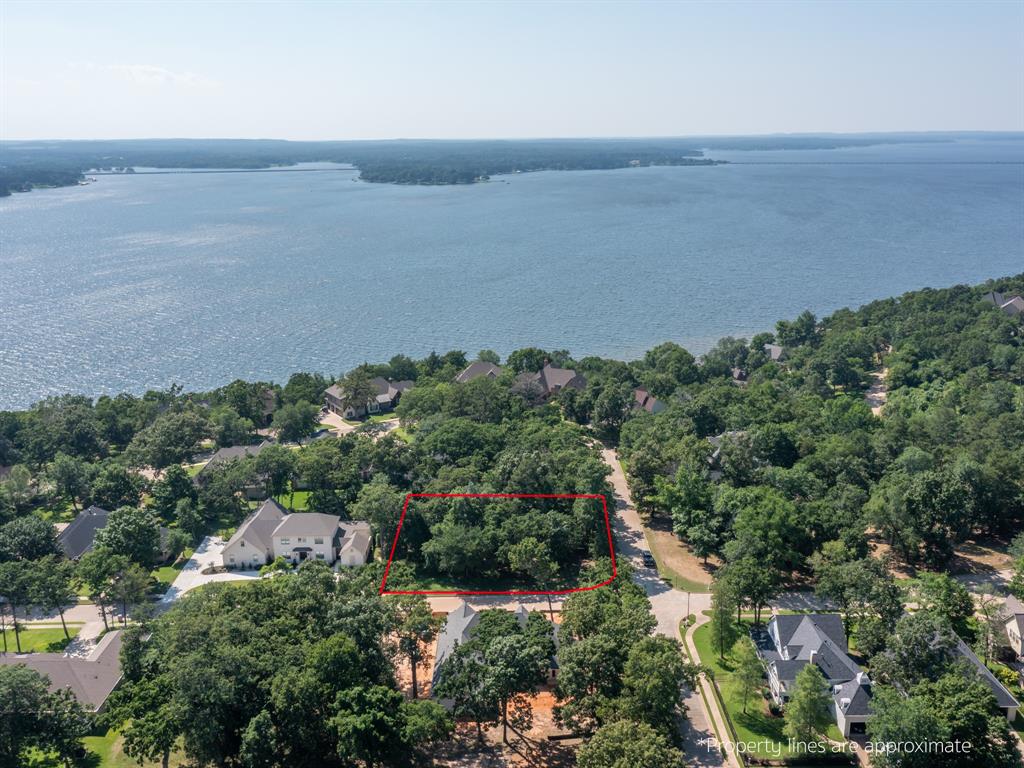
{"points": [[356, 536], [307, 524], [1013, 306], [550, 379], [476, 369], [1004, 699], [80, 534], [645, 400], [807, 629], [91, 679], [854, 696], [233, 452], [258, 528], [1014, 612], [994, 297], [456, 631], [775, 352]]}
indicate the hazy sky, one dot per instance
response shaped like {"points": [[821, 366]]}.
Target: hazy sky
{"points": [[383, 70]]}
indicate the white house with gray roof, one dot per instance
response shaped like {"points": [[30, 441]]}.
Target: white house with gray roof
{"points": [[271, 532], [791, 642], [1014, 624]]}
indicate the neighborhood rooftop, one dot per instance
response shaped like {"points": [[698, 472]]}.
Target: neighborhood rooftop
{"points": [[91, 679]]}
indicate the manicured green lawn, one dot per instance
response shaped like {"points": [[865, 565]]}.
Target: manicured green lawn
{"points": [[58, 512], [402, 434], [165, 575], [42, 639], [299, 503], [376, 418], [193, 469], [756, 724]]}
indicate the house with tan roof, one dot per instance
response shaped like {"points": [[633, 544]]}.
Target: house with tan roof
{"points": [[271, 532], [478, 369], [549, 381], [91, 679]]}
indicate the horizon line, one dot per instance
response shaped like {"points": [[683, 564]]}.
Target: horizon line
{"points": [[650, 137]]}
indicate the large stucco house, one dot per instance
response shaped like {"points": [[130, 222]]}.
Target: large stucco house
{"points": [[271, 532], [791, 642]]}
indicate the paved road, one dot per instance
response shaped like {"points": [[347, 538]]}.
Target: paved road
{"points": [[669, 607]]}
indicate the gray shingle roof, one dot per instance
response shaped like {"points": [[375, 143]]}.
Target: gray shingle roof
{"points": [[307, 524], [456, 631], [258, 528], [854, 696], [80, 534], [1004, 699]]}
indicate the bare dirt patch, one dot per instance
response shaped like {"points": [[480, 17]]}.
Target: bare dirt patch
{"points": [[530, 748], [974, 557]]}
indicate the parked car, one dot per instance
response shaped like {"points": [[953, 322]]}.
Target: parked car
{"points": [[648, 559]]}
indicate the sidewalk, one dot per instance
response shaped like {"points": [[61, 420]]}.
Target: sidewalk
{"points": [[717, 716]]}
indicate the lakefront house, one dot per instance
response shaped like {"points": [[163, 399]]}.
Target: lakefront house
{"points": [[386, 396], [271, 532]]}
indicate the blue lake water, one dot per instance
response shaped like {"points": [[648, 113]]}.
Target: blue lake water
{"points": [[136, 282]]}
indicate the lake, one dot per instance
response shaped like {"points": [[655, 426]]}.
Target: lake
{"points": [[140, 281]]}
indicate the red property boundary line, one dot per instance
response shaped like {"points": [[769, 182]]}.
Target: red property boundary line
{"points": [[409, 496]]}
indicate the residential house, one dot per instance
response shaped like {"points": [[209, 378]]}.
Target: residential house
{"points": [[549, 381], [715, 466], [79, 536], [479, 369], [270, 532], [387, 395], [91, 679], [1013, 305], [252, 492], [646, 401], [791, 642], [1005, 700], [1014, 623], [458, 628], [775, 352]]}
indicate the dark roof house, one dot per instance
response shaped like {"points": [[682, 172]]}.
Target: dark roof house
{"points": [[80, 534], [791, 642], [646, 401]]}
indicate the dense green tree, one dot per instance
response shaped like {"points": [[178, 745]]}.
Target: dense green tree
{"points": [[51, 587], [808, 711], [626, 744], [172, 438], [132, 532], [295, 421], [174, 486], [114, 486], [27, 538], [71, 477], [724, 606], [748, 671]]}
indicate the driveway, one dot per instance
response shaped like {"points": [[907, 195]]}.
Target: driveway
{"points": [[206, 555], [669, 606]]}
